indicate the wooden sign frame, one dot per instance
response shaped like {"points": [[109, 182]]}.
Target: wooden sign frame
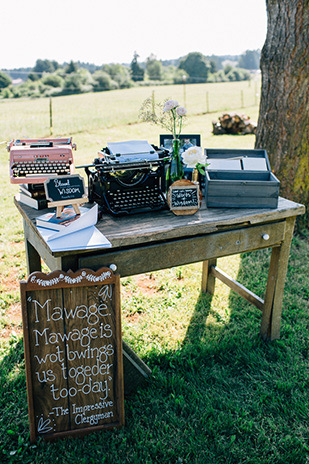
{"points": [[73, 352], [68, 194], [186, 187]]}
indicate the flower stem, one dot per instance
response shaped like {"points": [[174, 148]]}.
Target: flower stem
{"points": [[180, 124], [174, 117]]}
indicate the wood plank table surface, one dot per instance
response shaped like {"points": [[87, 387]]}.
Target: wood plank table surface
{"points": [[158, 240]]}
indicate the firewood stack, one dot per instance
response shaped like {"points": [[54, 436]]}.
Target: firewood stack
{"points": [[233, 123]]}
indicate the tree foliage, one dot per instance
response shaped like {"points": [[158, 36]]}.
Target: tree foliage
{"points": [[49, 78], [53, 80], [119, 74], [71, 68], [180, 76], [33, 76], [102, 81], [78, 82], [237, 74], [250, 59], [213, 66], [42, 66], [154, 68], [5, 81], [137, 72], [197, 67]]}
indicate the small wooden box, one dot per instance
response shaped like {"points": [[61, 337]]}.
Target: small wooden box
{"points": [[240, 179]]}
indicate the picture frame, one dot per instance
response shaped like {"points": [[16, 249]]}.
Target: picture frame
{"points": [[166, 141], [194, 140]]}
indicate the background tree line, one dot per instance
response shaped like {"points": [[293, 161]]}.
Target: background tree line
{"points": [[49, 78]]}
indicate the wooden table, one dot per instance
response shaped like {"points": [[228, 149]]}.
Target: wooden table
{"points": [[159, 240]]}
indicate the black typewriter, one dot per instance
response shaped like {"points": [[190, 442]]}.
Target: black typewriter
{"points": [[128, 177]]}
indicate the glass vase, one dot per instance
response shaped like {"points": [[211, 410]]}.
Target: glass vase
{"points": [[175, 169]]}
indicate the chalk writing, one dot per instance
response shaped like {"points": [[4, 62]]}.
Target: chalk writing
{"points": [[185, 197], [64, 188], [83, 376], [44, 426], [92, 313]]}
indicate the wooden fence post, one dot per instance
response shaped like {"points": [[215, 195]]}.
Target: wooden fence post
{"points": [[207, 102], [50, 116]]}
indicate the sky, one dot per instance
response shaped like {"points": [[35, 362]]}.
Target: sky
{"points": [[110, 31]]}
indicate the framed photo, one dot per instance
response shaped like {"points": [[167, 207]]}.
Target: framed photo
{"points": [[186, 141]]}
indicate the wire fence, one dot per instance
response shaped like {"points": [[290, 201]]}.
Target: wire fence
{"points": [[97, 110]]}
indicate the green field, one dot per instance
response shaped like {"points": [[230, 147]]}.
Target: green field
{"points": [[218, 394], [103, 111]]}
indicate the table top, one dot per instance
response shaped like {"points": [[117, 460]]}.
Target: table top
{"points": [[145, 228]]}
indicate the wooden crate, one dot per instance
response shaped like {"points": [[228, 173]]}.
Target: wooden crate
{"points": [[240, 179]]}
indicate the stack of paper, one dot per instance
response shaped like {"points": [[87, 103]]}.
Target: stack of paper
{"points": [[80, 235]]}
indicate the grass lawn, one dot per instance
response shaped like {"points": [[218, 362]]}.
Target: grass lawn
{"points": [[218, 393]]}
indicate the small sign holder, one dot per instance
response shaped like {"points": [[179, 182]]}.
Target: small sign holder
{"points": [[184, 197], [60, 205], [62, 191]]}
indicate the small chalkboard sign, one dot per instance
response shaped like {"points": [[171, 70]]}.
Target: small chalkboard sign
{"points": [[65, 190], [184, 197], [73, 352]]}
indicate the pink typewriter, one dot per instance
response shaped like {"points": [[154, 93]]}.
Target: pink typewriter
{"points": [[32, 161]]}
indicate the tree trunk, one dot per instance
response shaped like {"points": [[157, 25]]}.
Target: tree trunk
{"points": [[283, 125]]}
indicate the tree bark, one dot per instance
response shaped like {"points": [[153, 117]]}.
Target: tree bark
{"points": [[283, 125]]}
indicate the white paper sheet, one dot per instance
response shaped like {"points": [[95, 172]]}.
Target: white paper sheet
{"points": [[224, 164], [84, 239], [254, 164], [130, 147]]}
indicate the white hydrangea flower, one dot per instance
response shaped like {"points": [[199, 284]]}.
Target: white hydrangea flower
{"points": [[193, 156], [181, 111]]}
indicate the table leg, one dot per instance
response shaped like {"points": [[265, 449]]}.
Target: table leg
{"points": [[33, 258], [68, 263], [208, 280], [271, 316]]}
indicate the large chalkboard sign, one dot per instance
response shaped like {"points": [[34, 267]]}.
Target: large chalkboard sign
{"points": [[184, 197], [64, 188], [73, 352]]}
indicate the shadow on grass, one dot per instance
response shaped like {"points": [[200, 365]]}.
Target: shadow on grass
{"points": [[198, 320], [13, 401], [244, 400]]}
